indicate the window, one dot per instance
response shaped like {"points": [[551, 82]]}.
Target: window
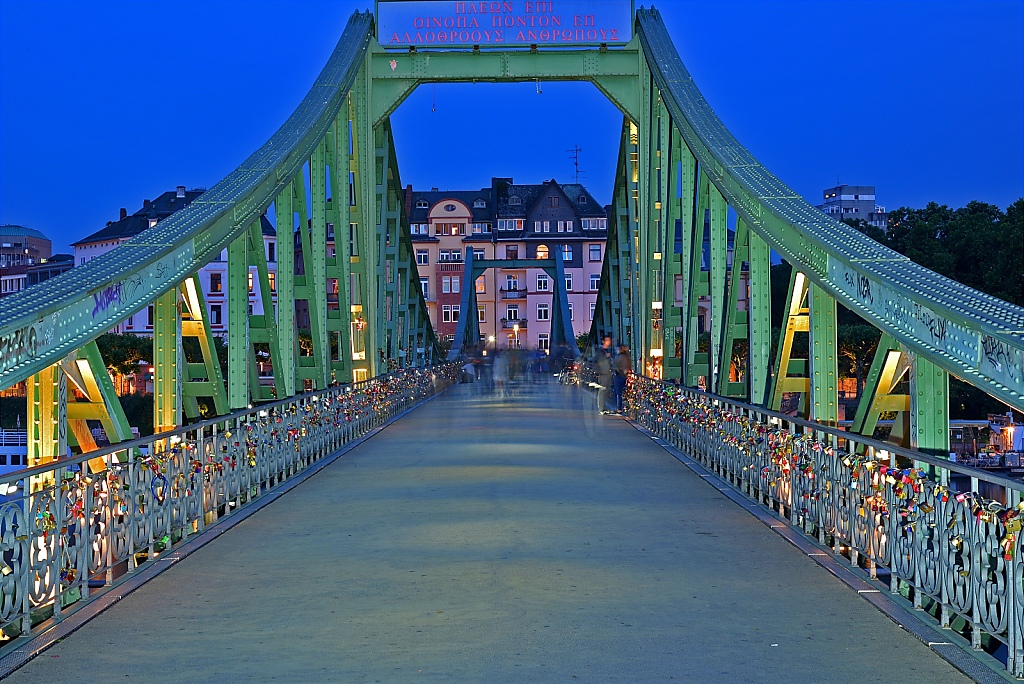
{"points": [[273, 281], [595, 281], [250, 281], [481, 285], [593, 308], [455, 313], [512, 313], [446, 284], [583, 199], [568, 282], [422, 204], [456, 280], [543, 312], [443, 255], [510, 224], [511, 282], [216, 314], [595, 224], [544, 341], [542, 282], [271, 252], [216, 282], [478, 254], [149, 316], [422, 257], [595, 252], [425, 286], [456, 255], [479, 203], [561, 226], [511, 251], [566, 252], [514, 199], [449, 207], [536, 226], [451, 228], [553, 201], [479, 228], [446, 313], [568, 226], [547, 226], [542, 252], [570, 312], [481, 313]]}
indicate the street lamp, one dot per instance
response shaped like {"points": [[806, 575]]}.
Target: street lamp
{"points": [[515, 329]]}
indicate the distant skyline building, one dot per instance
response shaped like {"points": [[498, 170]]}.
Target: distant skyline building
{"points": [[854, 202], [508, 221], [21, 250]]}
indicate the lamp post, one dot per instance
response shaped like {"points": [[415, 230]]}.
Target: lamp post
{"points": [[515, 330]]}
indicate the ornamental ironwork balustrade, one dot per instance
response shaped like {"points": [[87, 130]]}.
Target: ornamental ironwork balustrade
{"points": [[67, 531]]}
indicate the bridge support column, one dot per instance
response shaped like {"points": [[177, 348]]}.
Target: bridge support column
{"points": [[238, 323], [760, 319], [87, 371], [929, 408], [286, 289], [48, 420], [791, 374], [824, 373], [719, 248], [736, 327], [203, 379], [167, 361]]}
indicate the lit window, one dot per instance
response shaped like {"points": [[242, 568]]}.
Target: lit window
{"points": [[542, 252], [273, 281], [566, 252], [481, 285]]}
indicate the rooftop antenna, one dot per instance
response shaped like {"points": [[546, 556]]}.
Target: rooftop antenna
{"points": [[574, 153]]}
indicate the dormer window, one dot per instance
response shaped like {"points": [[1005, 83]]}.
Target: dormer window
{"points": [[583, 199], [449, 207], [422, 204], [479, 204], [514, 199]]}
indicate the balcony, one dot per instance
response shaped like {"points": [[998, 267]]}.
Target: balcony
{"points": [[449, 267], [510, 323], [512, 294]]}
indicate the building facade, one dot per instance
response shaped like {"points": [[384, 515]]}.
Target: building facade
{"points": [[508, 221], [21, 249], [213, 277], [854, 202]]}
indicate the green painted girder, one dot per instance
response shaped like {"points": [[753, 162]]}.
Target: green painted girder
{"points": [[760, 317], [396, 74], [718, 258], [338, 265], [263, 327], [167, 362], [735, 326], [789, 376], [238, 323], [205, 379], [41, 327], [823, 357], [286, 333], [970, 334]]}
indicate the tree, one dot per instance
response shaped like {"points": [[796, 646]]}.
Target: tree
{"points": [[122, 353], [856, 350]]}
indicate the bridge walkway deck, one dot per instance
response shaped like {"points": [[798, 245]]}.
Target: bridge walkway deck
{"points": [[487, 539]]}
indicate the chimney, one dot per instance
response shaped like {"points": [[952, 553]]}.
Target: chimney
{"points": [[145, 204], [181, 191], [124, 213], [408, 199], [433, 189]]}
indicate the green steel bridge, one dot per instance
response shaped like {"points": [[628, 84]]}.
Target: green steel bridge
{"points": [[373, 354]]}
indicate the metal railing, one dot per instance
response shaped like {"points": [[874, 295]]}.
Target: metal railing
{"points": [[66, 531], [945, 536]]}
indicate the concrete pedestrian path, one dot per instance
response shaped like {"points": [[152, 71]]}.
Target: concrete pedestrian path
{"points": [[488, 540]]}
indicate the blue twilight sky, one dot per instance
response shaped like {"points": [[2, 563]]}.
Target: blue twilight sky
{"points": [[105, 103]]}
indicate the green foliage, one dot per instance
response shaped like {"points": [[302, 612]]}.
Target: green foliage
{"points": [[122, 353], [856, 349], [583, 341], [978, 245]]}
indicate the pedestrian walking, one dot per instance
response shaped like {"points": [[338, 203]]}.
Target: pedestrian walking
{"points": [[603, 362], [623, 367]]}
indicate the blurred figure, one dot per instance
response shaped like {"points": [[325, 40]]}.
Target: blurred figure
{"points": [[623, 367], [603, 364], [500, 371]]}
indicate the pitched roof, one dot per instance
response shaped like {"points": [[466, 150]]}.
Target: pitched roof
{"points": [[159, 209]]}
